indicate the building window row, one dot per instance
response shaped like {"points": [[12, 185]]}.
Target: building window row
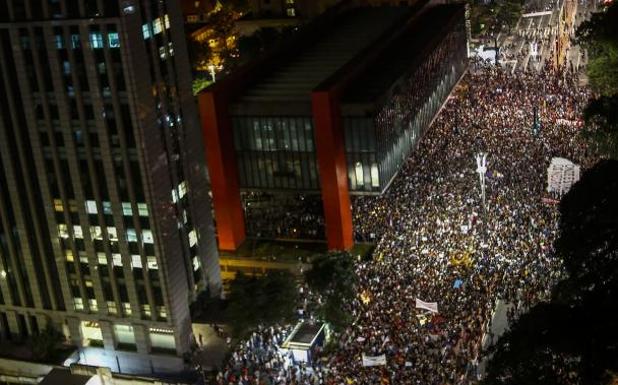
{"points": [[156, 27], [127, 209], [95, 38], [97, 233]]}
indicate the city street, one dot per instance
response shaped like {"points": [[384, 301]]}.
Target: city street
{"points": [[535, 38]]}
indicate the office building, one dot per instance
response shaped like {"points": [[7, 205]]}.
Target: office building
{"points": [[105, 223], [335, 111]]}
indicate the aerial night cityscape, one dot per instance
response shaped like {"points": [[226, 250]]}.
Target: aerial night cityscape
{"points": [[308, 192]]}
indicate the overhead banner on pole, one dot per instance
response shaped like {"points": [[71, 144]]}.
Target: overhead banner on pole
{"points": [[374, 360], [431, 306]]}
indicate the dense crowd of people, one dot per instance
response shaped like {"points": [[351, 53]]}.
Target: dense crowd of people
{"points": [[284, 216], [438, 243]]}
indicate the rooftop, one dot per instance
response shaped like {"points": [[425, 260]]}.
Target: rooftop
{"points": [[354, 31], [62, 376], [402, 55]]}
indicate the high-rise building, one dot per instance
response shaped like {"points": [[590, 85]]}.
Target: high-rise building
{"points": [[105, 222]]}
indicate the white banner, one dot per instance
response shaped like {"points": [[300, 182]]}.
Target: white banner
{"points": [[374, 360], [561, 175], [431, 306]]}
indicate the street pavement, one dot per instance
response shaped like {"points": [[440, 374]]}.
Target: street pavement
{"points": [[532, 42]]}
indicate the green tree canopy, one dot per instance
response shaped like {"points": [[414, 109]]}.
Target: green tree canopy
{"points": [[332, 276], [599, 36], [45, 344], [588, 241], [265, 300]]}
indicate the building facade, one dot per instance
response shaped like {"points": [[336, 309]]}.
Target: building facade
{"points": [[333, 113], [105, 224]]}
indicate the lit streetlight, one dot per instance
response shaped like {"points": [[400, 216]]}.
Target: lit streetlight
{"points": [[481, 169]]}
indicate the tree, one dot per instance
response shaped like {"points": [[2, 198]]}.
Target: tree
{"points": [[265, 300], [601, 131], [44, 344], [599, 36], [573, 339], [333, 277], [588, 242], [200, 53]]}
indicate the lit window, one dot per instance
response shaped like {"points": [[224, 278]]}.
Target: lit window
{"points": [[102, 258], [92, 303], [196, 264], [96, 40], [63, 231], [72, 206], [291, 12], [112, 234], [75, 43], [147, 236], [162, 53], [170, 50], [167, 21], [128, 9], [146, 31], [88, 283], [66, 67], [79, 304], [83, 257], [192, 238], [136, 261], [126, 308], [77, 232], [58, 206], [114, 41], [142, 208], [162, 311], [59, 41], [91, 207], [182, 189], [69, 255], [96, 232], [107, 208], [375, 176], [111, 307], [117, 259], [131, 235], [126, 209], [146, 310], [174, 196], [157, 25], [152, 263], [359, 174]]}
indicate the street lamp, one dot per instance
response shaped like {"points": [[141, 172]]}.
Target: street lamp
{"points": [[213, 73], [481, 169]]}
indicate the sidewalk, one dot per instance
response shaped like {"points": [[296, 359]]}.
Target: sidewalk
{"points": [[211, 353]]}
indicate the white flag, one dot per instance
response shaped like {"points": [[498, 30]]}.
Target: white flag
{"points": [[431, 306], [374, 360]]}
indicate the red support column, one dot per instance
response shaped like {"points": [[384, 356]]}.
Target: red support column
{"points": [[332, 167], [221, 158]]}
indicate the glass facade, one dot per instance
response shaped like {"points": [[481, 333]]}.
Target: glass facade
{"points": [[377, 147], [276, 153], [283, 215]]}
